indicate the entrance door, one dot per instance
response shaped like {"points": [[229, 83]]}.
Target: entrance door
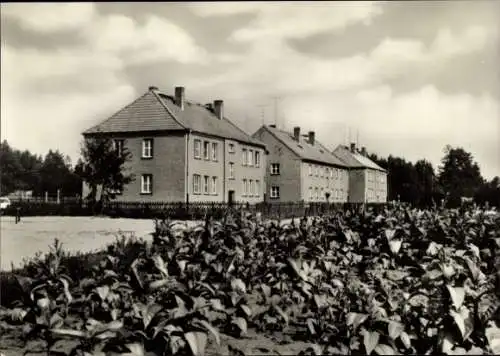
{"points": [[230, 197]]}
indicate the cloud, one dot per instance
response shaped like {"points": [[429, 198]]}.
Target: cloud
{"points": [[206, 9], [414, 125], [50, 96], [291, 20], [301, 19], [156, 40], [50, 17]]}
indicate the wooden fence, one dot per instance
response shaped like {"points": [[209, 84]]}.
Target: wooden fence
{"points": [[174, 210]]}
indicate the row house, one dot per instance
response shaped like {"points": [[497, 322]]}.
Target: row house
{"points": [[367, 180], [185, 151], [299, 168]]}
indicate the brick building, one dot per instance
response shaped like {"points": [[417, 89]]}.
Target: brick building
{"points": [[299, 168], [367, 180], [185, 151]]}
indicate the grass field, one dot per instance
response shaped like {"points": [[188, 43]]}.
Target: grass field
{"points": [[35, 234]]}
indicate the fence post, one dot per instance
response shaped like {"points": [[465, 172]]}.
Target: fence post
{"points": [[46, 197], [59, 196]]}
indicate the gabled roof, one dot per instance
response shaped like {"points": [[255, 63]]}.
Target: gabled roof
{"points": [[355, 159], [303, 149], [156, 111]]}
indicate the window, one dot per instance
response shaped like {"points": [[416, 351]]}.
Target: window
{"points": [[244, 157], [257, 159], [205, 184], [214, 185], [331, 172], [250, 158], [118, 146], [310, 169], [311, 197], [257, 188], [146, 184], [231, 170], [147, 148], [275, 168], [196, 184], [231, 148], [206, 149], [316, 170], [327, 174], [197, 149], [214, 151], [275, 192], [251, 188], [245, 188], [316, 193]]}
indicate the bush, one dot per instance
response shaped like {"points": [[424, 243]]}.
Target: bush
{"points": [[399, 280]]}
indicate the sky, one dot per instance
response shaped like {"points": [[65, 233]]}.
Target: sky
{"points": [[402, 78]]}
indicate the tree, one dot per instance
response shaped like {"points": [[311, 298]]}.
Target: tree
{"points": [[103, 168], [55, 173], [459, 175], [426, 180]]}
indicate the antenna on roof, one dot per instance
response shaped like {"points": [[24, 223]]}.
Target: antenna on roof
{"points": [[276, 99], [262, 113]]}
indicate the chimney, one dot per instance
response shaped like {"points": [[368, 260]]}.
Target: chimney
{"points": [[179, 97], [311, 137], [353, 147], [296, 133], [219, 109], [152, 88], [363, 151]]}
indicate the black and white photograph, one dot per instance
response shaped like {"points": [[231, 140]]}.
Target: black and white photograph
{"points": [[250, 178]]}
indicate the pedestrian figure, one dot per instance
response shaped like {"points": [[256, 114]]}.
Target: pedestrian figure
{"points": [[18, 214]]}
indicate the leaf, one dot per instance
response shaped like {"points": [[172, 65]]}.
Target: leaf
{"points": [[197, 341], [242, 324], [464, 321], [383, 349], [389, 234], [135, 349], [103, 292], [158, 284], [67, 293], [356, 319], [69, 332], [295, 266], [395, 245], [160, 264], [459, 321], [282, 313], [405, 339], [475, 250], [395, 329], [457, 295], [212, 330], [246, 309], [310, 325], [370, 340], [493, 336], [216, 304], [238, 285]]}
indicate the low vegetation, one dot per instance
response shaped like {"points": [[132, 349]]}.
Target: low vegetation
{"points": [[401, 281]]}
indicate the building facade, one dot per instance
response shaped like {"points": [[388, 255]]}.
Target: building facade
{"points": [[299, 168], [367, 180], [184, 151]]}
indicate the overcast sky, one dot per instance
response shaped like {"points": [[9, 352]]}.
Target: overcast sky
{"points": [[402, 78]]}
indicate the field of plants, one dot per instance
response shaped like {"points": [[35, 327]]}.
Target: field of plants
{"points": [[400, 281]]}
